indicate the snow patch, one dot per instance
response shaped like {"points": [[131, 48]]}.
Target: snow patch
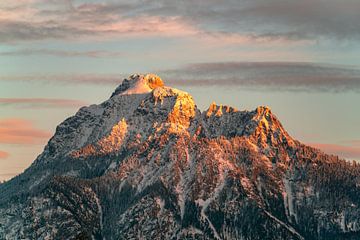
{"points": [[181, 196], [291, 229], [140, 84], [161, 203], [112, 166], [97, 200], [205, 204], [38, 181], [72, 173], [289, 199]]}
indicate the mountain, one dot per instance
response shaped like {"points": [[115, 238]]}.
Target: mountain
{"points": [[148, 164]]}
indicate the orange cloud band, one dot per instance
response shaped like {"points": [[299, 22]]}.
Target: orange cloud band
{"points": [[349, 152], [3, 154], [21, 131], [41, 102]]}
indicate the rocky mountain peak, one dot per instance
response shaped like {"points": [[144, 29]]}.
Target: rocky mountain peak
{"points": [[139, 84], [219, 110], [147, 164], [183, 108], [269, 132]]}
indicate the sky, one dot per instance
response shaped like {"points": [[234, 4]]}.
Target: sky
{"points": [[299, 57]]}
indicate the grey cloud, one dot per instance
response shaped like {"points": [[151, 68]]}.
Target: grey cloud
{"points": [[11, 31], [267, 76], [272, 76], [73, 79], [304, 19], [62, 20], [290, 19], [41, 103], [62, 53]]}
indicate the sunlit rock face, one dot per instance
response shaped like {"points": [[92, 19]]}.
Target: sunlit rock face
{"points": [[108, 144], [148, 164], [138, 83]]}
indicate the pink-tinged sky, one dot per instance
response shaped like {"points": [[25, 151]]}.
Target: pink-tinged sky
{"points": [[3, 155], [350, 151], [301, 58], [20, 131]]}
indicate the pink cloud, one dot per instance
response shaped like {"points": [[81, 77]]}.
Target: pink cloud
{"points": [[54, 21], [67, 20], [21, 131], [93, 78], [62, 53], [41, 102], [349, 152], [3, 154], [146, 25]]}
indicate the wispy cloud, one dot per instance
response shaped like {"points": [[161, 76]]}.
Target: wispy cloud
{"points": [[93, 78], [257, 19], [61, 53], [275, 19], [348, 152], [295, 76], [21, 131], [64, 20], [4, 155], [303, 19], [274, 76], [41, 102]]}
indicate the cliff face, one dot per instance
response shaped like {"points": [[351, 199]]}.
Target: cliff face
{"points": [[147, 164]]}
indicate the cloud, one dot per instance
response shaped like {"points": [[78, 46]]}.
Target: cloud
{"points": [[292, 19], [103, 79], [64, 20], [141, 26], [62, 53], [304, 19], [256, 19], [3, 155], [41, 102], [287, 76], [272, 76], [21, 131], [348, 152]]}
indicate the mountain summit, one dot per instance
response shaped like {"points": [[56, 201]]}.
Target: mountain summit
{"points": [[137, 84], [148, 164]]}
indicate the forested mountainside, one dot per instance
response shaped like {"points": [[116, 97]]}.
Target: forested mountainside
{"points": [[148, 164]]}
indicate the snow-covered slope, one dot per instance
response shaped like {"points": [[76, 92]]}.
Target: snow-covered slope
{"points": [[148, 164]]}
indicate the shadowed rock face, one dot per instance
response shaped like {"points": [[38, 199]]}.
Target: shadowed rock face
{"points": [[148, 164]]}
